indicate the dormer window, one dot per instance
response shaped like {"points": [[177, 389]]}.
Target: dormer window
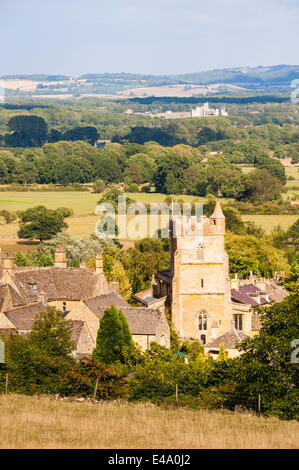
{"points": [[33, 287]]}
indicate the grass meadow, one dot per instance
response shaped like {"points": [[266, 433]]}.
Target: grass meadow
{"points": [[84, 221], [39, 422]]}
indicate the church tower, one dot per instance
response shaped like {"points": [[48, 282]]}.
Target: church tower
{"points": [[200, 288]]}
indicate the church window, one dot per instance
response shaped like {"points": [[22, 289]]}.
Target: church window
{"points": [[238, 320], [201, 283], [202, 322], [203, 339]]}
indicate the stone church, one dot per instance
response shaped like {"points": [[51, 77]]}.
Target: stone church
{"points": [[205, 303]]}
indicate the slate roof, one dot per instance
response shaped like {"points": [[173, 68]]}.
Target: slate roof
{"points": [[243, 298], [57, 283], [250, 294], [146, 296], [142, 320], [7, 289], [230, 339], [99, 303], [23, 317], [77, 327]]}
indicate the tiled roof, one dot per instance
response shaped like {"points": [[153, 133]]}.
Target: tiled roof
{"points": [[7, 290], [99, 303], [250, 289], [59, 283], [76, 326], [142, 320], [243, 298], [277, 293], [23, 317], [230, 339]]}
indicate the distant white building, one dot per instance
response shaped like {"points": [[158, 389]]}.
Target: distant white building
{"points": [[206, 111]]}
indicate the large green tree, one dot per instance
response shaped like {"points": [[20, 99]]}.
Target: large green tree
{"points": [[269, 363], [41, 223], [114, 338], [27, 131]]}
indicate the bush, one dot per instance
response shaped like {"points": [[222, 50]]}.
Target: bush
{"points": [[82, 377]]}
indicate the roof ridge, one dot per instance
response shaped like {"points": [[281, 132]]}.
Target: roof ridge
{"points": [[24, 306]]}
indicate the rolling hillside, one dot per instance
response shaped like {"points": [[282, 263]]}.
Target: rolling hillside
{"points": [[278, 77]]}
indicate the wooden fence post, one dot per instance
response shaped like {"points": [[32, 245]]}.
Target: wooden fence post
{"points": [[177, 393], [6, 383], [95, 390]]}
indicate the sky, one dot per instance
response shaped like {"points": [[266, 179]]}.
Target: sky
{"points": [[74, 37]]}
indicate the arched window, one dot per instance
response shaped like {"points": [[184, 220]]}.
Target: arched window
{"points": [[203, 339], [202, 322], [200, 251]]}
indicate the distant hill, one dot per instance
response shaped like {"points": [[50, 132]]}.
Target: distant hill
{"points": [[36, 77], [252, 77], [272, 78]]}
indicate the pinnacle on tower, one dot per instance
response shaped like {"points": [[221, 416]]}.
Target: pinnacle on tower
{"points": [[218, 214]]}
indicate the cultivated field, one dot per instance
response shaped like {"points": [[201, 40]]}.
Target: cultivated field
{"points": [[84, 203], [80, 202], [269, 222], [32, 422]]}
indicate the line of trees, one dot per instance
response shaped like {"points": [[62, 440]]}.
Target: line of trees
{"points": [[32, 131], [171, 170]]}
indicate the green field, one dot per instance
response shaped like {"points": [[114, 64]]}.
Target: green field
{"points": [[292, 171], [84, 203], [80, 202]]}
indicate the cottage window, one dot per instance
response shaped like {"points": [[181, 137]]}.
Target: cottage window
{"points": [[238, 320], [64, 306]]}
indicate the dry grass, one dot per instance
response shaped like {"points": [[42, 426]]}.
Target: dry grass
{"points": [[32, 422], [268, 222]]}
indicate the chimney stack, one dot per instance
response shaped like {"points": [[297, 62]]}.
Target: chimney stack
{"points": [[60, 257], [8, 262], [99, 264]]}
